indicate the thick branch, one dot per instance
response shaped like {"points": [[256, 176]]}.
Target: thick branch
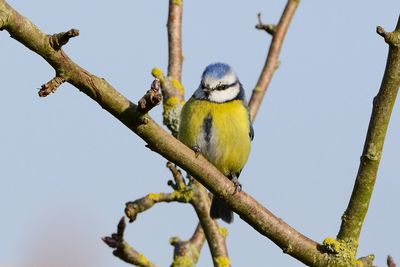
{"points": [[272, 61], [123, 250], [175, 56], [353, 218]]}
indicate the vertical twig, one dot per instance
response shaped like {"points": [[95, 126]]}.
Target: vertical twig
{"points": [[353, 218], [175, 56], [215, 237], [272, 61]]}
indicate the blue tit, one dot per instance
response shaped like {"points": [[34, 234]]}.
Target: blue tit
{"points": [[216, 122]]}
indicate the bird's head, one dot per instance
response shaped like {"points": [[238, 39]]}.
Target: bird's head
{"points": [[219, 83]]}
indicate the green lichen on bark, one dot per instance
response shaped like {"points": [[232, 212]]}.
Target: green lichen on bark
{"points": [[353, 218]]}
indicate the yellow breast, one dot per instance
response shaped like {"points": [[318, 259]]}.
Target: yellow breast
{"points": [[225, 141]]}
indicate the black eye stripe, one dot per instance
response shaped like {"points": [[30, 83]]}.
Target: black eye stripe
{"points": [[220, 87]]}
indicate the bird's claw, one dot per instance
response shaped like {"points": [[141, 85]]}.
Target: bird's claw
{"points": [[237, 184], [197, 151]]}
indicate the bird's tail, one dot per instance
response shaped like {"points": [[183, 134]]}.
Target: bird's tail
{"points": [[219, 209]]}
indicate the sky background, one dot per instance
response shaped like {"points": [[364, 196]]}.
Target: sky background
{"points": [[67, 167]]}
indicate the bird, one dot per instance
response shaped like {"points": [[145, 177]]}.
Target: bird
{"points": [[216, 122]]}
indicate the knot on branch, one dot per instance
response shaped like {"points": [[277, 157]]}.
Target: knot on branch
{"points": [[269, 28], [51, 86], [151, 99], [391, 38], [59, 39]]}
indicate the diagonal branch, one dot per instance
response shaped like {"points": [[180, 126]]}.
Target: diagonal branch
{"points": [[353, 218], [272, 61]]}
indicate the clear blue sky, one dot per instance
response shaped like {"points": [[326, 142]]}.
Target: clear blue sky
{"points": [[67, 167]]}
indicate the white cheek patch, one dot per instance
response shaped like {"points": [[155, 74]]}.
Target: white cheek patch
{"points": [[228, 94]]}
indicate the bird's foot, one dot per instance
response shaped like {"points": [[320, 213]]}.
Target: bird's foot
{"points": [[237, 184], [197, 151]]}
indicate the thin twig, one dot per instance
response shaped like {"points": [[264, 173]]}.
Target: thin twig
{"points": [[133, 208], [179, 183], [59, 39], [353, 218], [175, 56], [186, 253], [390, 262], [151, 99], [51, 86], [272, 61], [215, 237], [123, 250], [269, 28]]}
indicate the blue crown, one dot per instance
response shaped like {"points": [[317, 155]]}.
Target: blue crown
{"points": [[216, 70]]}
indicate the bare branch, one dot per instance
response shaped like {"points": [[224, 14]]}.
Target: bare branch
{"points": [[390, 262], [133, 208], [60, 39], [123, 250], [353, 218], [51, 86], [186, 253], [269, 28], [215, 237], [178, 177], [272, 61], [151, 99], [175, 56]]}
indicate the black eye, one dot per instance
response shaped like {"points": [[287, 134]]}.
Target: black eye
{"points": [[222, 87]]}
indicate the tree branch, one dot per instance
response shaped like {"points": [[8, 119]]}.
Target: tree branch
{"points": [[353, 218], [272, 61], [123, 250], [390, 262], [151, 99], [186, 253], [174, 25], [215, 237], [51, 86], [60, 39]]}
